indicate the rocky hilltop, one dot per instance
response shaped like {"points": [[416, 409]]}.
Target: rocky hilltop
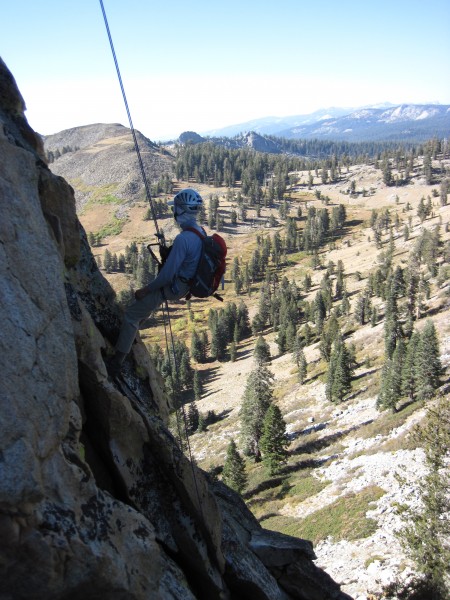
{"points": [[101, 158], [96, 498]]}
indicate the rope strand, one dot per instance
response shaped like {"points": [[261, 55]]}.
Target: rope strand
{"points": [[165, 309], [160, 237]]}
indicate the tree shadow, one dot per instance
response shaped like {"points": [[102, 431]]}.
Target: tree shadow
{"points": [[352, 223], [353, 292], [209, 375], [356, 394], [217, 417], [431, 311], [407, 403], [361, 375], [316, 427], [315, 376], [309, 463], [273, 482], [265, 516], [321, 443], [229, 229], [243, 354]]}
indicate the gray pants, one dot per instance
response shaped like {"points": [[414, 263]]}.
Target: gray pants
{"points": [[140, 310]]}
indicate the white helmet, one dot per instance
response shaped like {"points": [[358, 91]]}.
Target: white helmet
{"points": [[187, 201]]}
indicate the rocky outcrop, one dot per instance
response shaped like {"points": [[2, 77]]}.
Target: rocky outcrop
{"points": [[96, 498], [190, 137], [260, 143]]}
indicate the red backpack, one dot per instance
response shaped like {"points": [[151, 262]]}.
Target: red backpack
{"points": [[211, 266]]}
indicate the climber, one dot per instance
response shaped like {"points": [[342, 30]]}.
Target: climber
{"points": [[172, 281]]}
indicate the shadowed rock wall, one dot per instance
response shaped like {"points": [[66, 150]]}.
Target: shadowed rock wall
{"points": [[96, 498]]}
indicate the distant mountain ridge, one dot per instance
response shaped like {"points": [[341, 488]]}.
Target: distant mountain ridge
{"points": [[272, 125], [405, 122], [250, 139]]}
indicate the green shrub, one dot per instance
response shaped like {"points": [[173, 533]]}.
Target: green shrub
{"points": [[114, 227], [344, 519], [306, 487]]}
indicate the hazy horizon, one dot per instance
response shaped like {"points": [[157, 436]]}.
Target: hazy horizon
{"points": [[202, 67]]}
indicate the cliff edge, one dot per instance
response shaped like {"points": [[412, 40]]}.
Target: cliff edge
{"points": [[96, 498]]}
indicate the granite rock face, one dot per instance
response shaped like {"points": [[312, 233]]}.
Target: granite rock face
{"points": [[96, 498]]}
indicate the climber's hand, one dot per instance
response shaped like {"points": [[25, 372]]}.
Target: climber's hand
{"points": [[139, 294]]}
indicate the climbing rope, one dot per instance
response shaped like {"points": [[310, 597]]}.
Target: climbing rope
{"points": [[161, 241], [176, 386], [159, 235]]}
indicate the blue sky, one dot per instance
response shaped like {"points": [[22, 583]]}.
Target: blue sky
{"points": [[202, 65]]}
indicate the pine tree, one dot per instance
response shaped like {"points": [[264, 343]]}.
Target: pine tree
{"points": [[392, 327], [426, 535], [307, 282], [107, 261], [274, 440], [233, 474], [340, 372], [412, 284], [345, 304], [443, 192], [360, 312], [201, 423], [391, 380], [197, 385], [398, 284], [374, 316], [340, 282], [307, 334], [185, 371], [121, 263], [422, 210], [204, 341], [281, 337], [298, 347], [261, 353], [290, 335], [243, 320], [193, 416], [330, 334], [256, 400], [302, 366], [387, 172], [320, 311], [219, 340], [409, 374], [197, 348], [428, 365], [92, 239]]}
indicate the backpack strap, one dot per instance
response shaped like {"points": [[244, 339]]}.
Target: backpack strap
{"points": [[202, 237], [197, 232]]}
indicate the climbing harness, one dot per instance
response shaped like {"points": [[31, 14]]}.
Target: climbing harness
{"points": [[162, 244]]}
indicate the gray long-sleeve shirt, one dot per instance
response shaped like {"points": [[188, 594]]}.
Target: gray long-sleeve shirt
{"points": [[182, 260]]}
